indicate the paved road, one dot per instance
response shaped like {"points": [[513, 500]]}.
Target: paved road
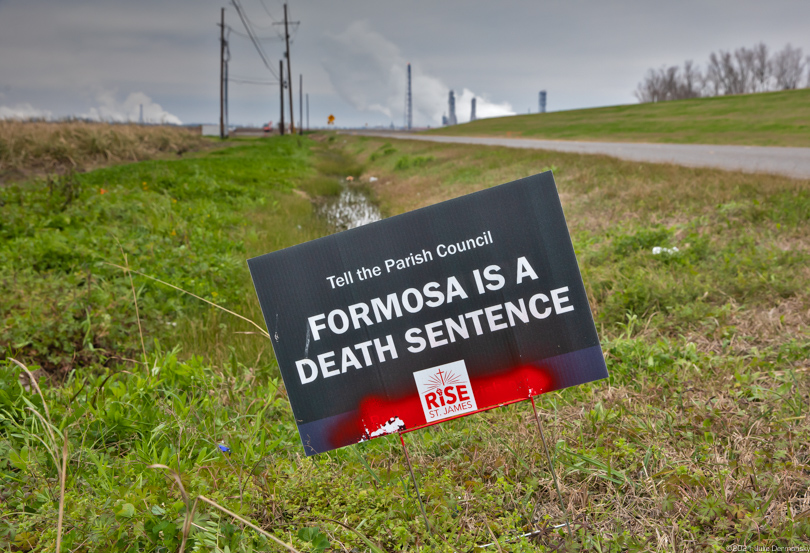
{"points": [[793, 162]]}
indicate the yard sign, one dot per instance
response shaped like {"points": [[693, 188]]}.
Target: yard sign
{"points": [[437, 313]]}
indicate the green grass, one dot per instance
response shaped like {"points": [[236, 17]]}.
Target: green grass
{"points": [[186, 222], [767, 119], [699, 439]]}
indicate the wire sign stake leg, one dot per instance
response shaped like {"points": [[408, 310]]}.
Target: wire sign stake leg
{"points": [[550, 466], [413, 479]]}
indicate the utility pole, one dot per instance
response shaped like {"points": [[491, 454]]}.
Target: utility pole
{"points": [[227, 122], [289, 71], [222, 75], [307, 110], [300, 103], [409, 100], [281, 94]]}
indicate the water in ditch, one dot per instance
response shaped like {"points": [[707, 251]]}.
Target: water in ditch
{"points": [[351, 208]]}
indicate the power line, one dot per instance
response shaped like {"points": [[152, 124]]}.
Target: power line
{"points": [[243, 35], [270, 15], [246, 22], [247, 81]]}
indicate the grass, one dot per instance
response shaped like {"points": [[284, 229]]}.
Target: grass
{"points": [[698, 441], [767, 119], [38, 148], [187, 222]]}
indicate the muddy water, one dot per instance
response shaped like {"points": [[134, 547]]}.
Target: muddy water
{"points": [[351, 208]]}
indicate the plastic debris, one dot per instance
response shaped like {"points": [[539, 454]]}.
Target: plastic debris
{"points": [[373, 179], [657, 250], [224, 449]]}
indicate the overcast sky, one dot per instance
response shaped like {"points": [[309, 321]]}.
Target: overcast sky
{"points": [[104, 58]]}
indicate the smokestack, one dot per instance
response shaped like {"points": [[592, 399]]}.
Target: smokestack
{"points": [[542, 101], [141, 117], [472, 110], [451, 119]]}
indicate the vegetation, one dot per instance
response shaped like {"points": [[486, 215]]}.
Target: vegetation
{"points": [[765, 119], [699, 439], [744, 71], [40, 148]]}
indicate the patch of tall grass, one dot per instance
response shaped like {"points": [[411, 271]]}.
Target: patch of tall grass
{"points": [[39, 147]]}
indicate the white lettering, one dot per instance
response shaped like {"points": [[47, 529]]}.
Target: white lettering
{"points": [[533, 306], [412, 336], [433, 332], [474, 316], [389, 347], [315, 327], [524, 270], [559, 301], [313, 368], [431, 291], [417, 307], [454, 289], [349, 359], [359, 311], [496, 280], [325, 362], [493, 319], [344, 319], [364, 348]]}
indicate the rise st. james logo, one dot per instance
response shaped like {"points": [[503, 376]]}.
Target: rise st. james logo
{"points": [[445, 391]]}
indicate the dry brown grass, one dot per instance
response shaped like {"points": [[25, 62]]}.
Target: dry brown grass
{"points": [[29, 148]]}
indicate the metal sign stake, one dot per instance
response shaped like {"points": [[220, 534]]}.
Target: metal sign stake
{"points": [[413, 479], [550, 466]]}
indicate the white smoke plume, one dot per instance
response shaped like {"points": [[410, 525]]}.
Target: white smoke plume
{"points": [[23, 111], [368, 71], [108, 109]]}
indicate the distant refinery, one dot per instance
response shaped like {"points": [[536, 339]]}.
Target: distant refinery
{"points": [[451, 119]]}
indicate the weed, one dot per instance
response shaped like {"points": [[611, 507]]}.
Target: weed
{"points": [[407, 162]]}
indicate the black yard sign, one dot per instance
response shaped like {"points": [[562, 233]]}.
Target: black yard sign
{"points": [[438, 313]]}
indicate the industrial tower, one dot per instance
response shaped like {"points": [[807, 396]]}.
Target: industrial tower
{"points": [[472, 111], [451, 119], [409, 99], [542, 101]]}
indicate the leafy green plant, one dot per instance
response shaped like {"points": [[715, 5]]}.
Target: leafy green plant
{"points": [[408, 162]]}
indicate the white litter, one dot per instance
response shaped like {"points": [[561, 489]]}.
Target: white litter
{"points": [[393, 425], [372, 179], [657, 250]]}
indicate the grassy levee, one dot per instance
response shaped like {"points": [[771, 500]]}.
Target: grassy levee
{"points": [[31, 148], [766, 119], [699, 440]]}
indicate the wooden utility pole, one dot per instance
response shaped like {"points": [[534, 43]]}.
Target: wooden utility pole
{"points": [[289, 71], [222, 75], [300, 104], [281, 95]]}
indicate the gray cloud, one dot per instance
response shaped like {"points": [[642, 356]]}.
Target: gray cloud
{"points": [[58, 56]]}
